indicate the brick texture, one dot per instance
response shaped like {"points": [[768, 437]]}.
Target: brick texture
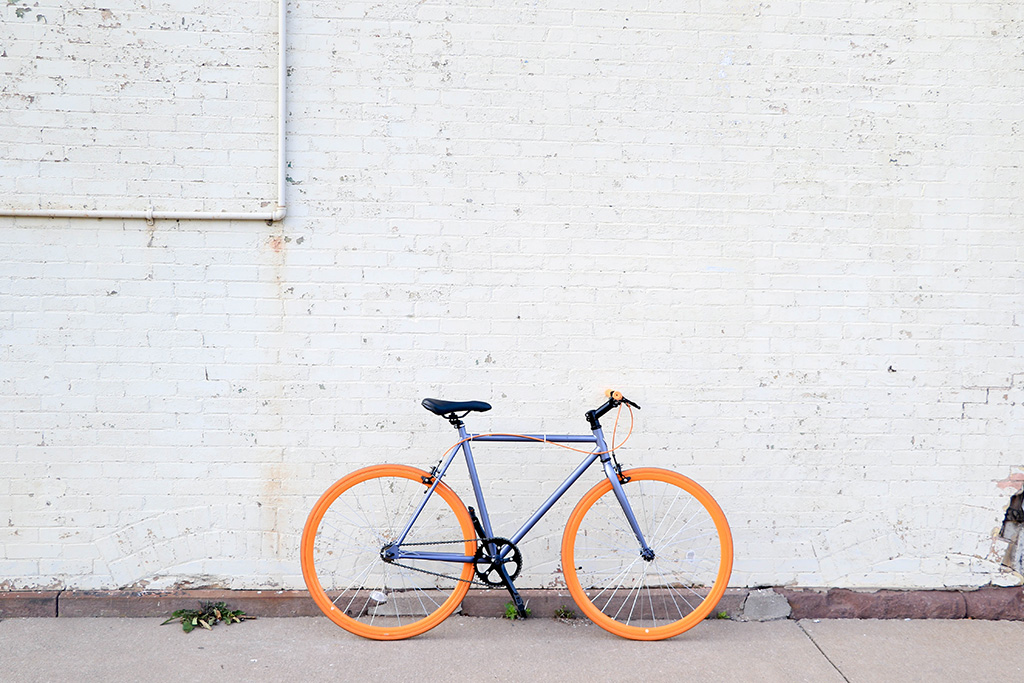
{"points": [[789, 230]]}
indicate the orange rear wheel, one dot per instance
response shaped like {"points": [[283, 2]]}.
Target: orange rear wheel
{"points": [[648, 599], [342, 546]]}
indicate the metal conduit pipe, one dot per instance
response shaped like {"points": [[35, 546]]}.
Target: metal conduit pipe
{"points": [[150, 215]]}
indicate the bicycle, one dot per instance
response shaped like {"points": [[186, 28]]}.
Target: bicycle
{"points": [[389, 551]]}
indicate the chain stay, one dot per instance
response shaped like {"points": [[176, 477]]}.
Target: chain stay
{"points": [[444, 576]]}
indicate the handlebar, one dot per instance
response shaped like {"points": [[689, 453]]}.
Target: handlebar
{"points": [[617, 398], [614, 399]]}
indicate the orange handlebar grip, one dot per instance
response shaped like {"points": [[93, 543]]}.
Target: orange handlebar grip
{"points": [[611, 393]]}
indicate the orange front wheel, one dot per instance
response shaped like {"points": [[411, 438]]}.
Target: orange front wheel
{"points": [[343, 548], [656, 597]]}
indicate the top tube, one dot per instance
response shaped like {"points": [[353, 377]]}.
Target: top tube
{"points": [[536, 438]]}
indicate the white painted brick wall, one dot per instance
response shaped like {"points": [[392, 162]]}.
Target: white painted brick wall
{"points": [[791, 231], [122, 106]]}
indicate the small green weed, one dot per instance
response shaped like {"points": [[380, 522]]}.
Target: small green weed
{"points": [[207, 616], [564, 613], [512, 613], [723, 615]]}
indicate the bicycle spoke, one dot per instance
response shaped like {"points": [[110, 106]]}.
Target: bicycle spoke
{"points": [[657, 530], [639, 589], [686, 506], [710, 534], [355, 593], [672, 591], [618, 583]]}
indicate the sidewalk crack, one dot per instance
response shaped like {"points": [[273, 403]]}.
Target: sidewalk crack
{"points": [[799, 623]]}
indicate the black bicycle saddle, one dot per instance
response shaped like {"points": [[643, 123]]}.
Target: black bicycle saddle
{"points": [[439, 407]]}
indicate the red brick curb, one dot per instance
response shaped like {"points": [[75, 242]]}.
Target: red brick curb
{"points": [[989, 602], [995, 603], [491, 603], [544, 602], [481, 603], [28, 603], [161, 603], [152, 603]]}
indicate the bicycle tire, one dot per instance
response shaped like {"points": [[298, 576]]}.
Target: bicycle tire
{"points": [[341, 553], [647, 600]]}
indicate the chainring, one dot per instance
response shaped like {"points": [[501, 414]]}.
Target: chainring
{"points": [[487, 567]]}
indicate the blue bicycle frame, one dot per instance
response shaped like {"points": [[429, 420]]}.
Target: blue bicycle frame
{"points": [[601, 451]]}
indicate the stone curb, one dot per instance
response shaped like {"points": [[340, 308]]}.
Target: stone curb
{"points": [[28, 603], [989, 602], [161, 603], [477, 603], [544, 602], [153, 603]]}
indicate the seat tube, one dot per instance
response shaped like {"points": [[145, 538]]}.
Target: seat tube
{"points": [[485, 519], [620, 494]]}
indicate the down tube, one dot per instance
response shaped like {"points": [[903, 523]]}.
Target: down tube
{"points": [[553, 498]]}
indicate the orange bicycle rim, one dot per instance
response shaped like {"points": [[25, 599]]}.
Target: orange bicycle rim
{"points": [[722, 551], [320, 596]]}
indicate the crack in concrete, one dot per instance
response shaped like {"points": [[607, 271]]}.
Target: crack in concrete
{"points": [[800, 624]]}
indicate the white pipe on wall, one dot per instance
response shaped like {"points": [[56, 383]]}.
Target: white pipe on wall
{"points": [[282, 113], [150, 215]]}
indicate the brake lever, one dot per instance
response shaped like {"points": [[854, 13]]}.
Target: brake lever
{"points": [[616, 398]]}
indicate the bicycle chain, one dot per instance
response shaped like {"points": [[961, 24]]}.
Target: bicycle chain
{"points": [[443, 576]]}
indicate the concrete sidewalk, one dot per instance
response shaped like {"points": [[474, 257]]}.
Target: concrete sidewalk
{"points": [[474, 648]]}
